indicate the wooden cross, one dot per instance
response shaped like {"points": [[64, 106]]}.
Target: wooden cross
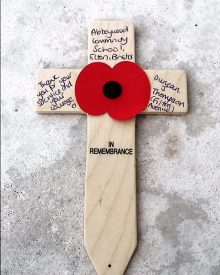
{"points": [[110, 223]]}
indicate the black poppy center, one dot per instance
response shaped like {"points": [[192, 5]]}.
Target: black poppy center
{"points": [[112, 89]]}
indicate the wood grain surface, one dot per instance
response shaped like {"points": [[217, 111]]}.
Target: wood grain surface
{"points": [[110, 191], [110, 224]]}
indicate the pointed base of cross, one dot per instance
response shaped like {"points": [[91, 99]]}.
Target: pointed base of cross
{"points": [[110, 196]]}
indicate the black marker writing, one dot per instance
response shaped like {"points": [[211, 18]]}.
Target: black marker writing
{"points": [[53, 92], [108, 32], [111, 57], [50, 83], [168, 98], [165, 84], [121, 40]]}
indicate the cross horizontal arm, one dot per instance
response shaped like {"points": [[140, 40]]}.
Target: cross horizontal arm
{"points": [[55, 92]]}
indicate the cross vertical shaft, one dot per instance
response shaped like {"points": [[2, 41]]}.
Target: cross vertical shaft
{"points": [[110, 191]]}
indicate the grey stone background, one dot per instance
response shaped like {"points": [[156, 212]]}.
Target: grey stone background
{"points": [[43, 156]]}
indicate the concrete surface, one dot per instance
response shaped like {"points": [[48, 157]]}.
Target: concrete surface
{"points": [[43, 156]]}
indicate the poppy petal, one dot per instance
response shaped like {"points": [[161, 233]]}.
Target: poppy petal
{"points": [[136, 90], [131, 78], [89, 88]]}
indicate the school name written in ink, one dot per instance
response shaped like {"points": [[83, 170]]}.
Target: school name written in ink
{"points": [[110, 45]]}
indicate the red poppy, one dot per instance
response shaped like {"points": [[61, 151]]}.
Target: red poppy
{"points": [[122, 91]]}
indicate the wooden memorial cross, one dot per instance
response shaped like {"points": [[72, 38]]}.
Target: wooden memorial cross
{"points": [[110, 223]]}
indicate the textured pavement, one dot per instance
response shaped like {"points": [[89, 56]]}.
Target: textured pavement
{"points": [[43, 156]]}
